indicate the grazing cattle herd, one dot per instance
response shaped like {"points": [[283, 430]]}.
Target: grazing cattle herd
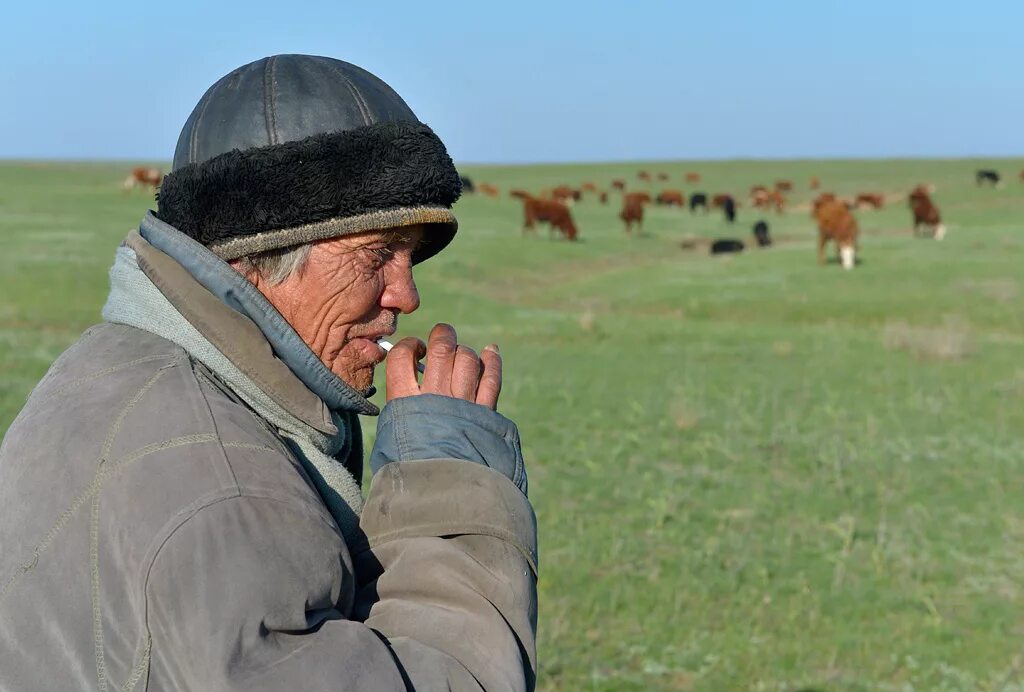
{"points": [[833, 215]]}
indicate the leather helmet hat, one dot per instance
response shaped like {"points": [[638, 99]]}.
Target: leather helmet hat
{"points": [[296, 148]]}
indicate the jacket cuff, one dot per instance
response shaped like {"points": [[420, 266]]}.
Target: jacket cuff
{"points": [[430, 426]]}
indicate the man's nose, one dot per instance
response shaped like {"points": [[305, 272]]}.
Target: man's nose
{"points": [[400, 291]]}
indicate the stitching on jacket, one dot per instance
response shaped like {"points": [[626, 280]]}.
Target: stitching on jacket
{"points": [[249, 446], [94, 527], [106, 371], [401, 436], [141, 668], [65, 517], [213, 422]]}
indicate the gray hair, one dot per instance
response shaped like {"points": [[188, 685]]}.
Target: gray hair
{"points": [[278, 265]]}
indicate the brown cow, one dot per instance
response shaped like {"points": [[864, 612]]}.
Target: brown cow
{"points": [[564, 193], [487, 189], [836, 223], [663, 176], [147, 177], [603, 197], [814, 183], [763, 198], [520, 194], [671, 197], [693, 177], [633, 209], [549, 211], [925, 212], [829, 197], [870, 199], [720, 200], [820, 200], [1022, 175], [644, 175], [619, 184], [588, 187], [784, 185]]}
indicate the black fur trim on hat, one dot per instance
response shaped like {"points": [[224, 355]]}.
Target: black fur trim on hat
{"points": [[373, 168]]}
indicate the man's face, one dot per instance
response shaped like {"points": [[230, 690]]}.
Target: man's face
{"points": [[349, 294]]}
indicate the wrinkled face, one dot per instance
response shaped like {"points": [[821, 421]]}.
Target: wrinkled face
{"points": [[350, 293]]}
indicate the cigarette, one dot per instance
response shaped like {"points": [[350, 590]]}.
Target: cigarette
{"points": [[387, 346]]}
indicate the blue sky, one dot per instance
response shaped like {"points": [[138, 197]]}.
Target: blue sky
{"points": [[534, 81]]}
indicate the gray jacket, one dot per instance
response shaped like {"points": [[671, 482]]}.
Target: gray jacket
{"points": [[155, 533]]}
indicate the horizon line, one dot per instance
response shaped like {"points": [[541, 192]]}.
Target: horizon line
{"points": [[589, 162]]}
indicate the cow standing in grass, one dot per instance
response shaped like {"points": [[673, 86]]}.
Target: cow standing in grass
{"points": [[671, 198], [775, 199], [926, 214], [988, 176], [565, 194], [727, 204], [871, 199], [760, 197], [550, 211], [761, 233], [633, 210], [836, 223], [698, 199], [146, 177]]}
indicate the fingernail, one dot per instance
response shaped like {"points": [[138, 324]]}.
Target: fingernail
{"points": [[493, 347]]}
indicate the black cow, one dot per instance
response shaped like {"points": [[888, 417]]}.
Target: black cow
{"points": [[698, 199], [987, 176], [467, 184], [729, 207], [761, 234], [725, 245]]}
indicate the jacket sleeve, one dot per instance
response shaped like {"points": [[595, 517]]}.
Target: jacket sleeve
{"points": [[259, 592], [451, 567]]}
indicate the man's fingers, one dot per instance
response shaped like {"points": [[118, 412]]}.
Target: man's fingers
{"points": [[400, 367], [441, 348], [490, 380], [465, 374]]}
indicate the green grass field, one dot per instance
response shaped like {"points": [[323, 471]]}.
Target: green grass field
{"points": [[749, 472]]}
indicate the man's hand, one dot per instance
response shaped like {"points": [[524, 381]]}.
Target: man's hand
{"points": [[452, 370]]}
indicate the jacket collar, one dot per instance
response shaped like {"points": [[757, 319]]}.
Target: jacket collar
{"points": [[235, 317]]}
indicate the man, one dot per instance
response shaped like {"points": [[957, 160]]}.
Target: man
{"points": [[180, 501]]}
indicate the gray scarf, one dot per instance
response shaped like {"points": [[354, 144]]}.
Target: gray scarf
{"points": [[135, 301]]}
